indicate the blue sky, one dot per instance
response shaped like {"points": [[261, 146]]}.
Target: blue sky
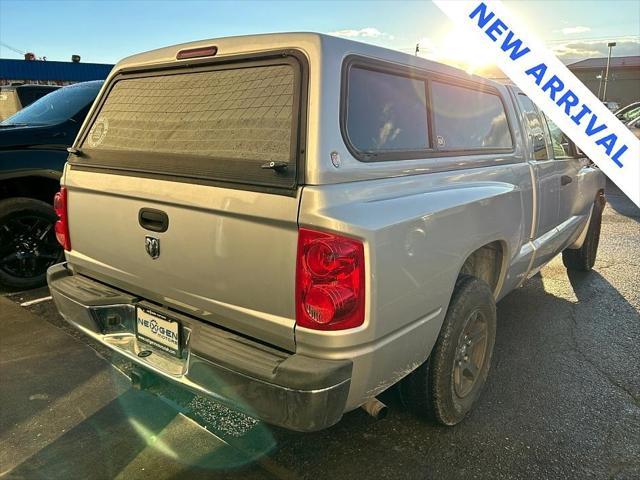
{"points": [[105, 31]]}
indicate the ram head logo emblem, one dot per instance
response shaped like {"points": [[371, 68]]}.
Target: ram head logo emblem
{"points": [[152, 246]]}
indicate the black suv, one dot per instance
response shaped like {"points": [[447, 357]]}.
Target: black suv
{"points": [[33, 151]]}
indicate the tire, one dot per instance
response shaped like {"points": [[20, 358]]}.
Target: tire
{"points": [[436, 389], [28, 244], [582, 259]]}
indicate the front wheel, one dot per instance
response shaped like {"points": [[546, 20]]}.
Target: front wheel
{"points": [[448, 384], [28, 244], [582, 259]]}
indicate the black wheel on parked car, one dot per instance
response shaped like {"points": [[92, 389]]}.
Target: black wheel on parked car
{"points": [[447, 385], [28, 244], [582, 259]]}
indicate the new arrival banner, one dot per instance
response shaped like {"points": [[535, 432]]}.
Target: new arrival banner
{"points": [[557, 91]]}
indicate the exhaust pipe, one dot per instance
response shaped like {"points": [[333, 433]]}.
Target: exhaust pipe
{"points": [[375, 408]]}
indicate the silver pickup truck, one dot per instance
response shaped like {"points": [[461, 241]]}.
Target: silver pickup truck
{"points": [[292, 223]]}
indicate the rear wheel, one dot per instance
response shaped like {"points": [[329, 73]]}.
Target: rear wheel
{"points": [[582, 259], [28, 244], [447, 385]]}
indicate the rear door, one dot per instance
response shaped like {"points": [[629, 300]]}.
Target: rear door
{"points": [[572, 207], [547, 172], [169, 198]]}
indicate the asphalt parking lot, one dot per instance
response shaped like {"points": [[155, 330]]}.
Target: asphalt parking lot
{"points": [[562, 399]]}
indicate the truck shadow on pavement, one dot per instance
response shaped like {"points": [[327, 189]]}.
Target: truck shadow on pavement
{"points": [[562, 400], [620, 203]]}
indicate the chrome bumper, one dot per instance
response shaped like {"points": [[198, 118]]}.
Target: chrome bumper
{"points": [[290, 390]]}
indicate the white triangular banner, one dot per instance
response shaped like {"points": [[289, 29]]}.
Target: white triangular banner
{"points": [[555, 89]]}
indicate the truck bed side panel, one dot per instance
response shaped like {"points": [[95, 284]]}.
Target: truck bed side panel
{"points": [[418, 231]]}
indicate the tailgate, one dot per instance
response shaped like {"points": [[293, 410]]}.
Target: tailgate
{"points": [[168, 199]]}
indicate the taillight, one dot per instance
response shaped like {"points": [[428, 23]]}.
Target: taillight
{"points": [[330, 281], [62, 225]]}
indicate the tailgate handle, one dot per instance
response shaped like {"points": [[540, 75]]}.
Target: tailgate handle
{"points": [[154, 220]]}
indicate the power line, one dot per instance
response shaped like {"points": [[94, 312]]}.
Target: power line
{"points": [[12, 48], [566, 40], [607, 37]]}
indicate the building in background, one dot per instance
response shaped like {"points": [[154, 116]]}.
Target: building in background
{"points": [[623, 85], [30, 71]]}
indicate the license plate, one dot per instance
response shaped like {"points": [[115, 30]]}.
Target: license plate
{"points": [[158, 330]]}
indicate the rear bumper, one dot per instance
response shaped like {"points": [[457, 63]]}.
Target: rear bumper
{"points": [[290, 390]]}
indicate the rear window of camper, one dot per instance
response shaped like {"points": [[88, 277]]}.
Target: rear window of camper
{"points": [[223, 123]]}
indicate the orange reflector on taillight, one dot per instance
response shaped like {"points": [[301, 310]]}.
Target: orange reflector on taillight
{"points": [[197, 52]]}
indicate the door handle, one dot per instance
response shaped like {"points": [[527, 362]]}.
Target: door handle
{"points": [[154, 220], [565, 180]]}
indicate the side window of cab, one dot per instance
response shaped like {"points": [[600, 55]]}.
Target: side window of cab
{"points": [[535, 127], [562, 145]]}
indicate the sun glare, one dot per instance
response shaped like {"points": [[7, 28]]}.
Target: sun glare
{"points": [[459, 48]]}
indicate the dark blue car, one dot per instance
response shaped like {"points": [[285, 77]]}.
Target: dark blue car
{"points": [[33, 151]]}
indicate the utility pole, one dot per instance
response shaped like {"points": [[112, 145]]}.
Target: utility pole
{"points": [[600, 77], [606, 75]]}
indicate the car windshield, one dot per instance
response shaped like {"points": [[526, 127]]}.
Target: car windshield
{"points": [[56, 107]]}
